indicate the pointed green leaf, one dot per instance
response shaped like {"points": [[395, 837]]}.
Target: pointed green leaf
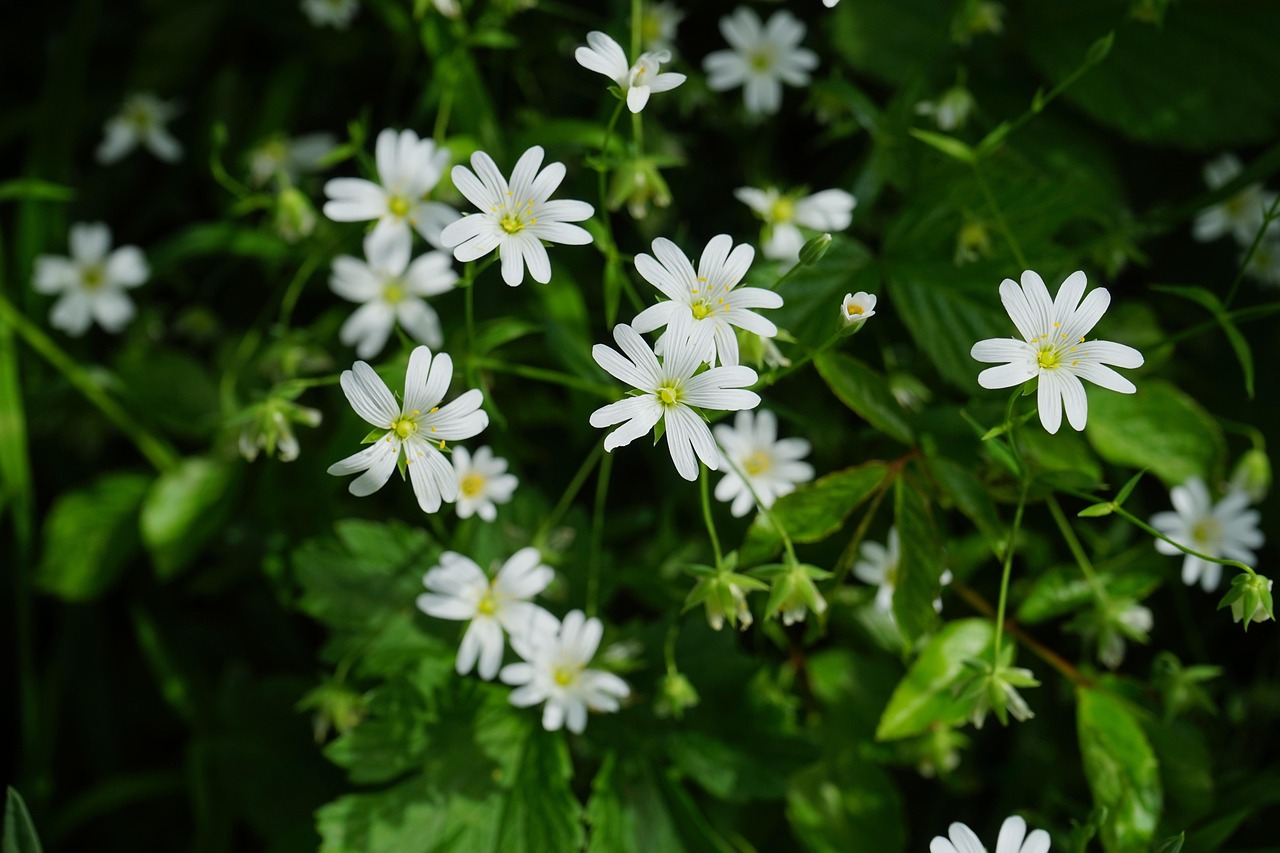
{"points": [[925, 697], [866, 392], [1121, 769]]}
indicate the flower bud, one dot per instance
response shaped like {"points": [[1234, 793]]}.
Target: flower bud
{"points": [[1249, 599], [1253, 475], [295, 215], [973, 242], [637, 183], [856, 309], [675, 696], [813, 251], [793, 594]]}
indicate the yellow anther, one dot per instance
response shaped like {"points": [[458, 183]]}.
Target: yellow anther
{"points": [[442, 444]]}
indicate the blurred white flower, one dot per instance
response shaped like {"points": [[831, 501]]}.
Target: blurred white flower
{"points": [[289, 158], [828, 211], [1264, 263], [1226, 530], [92, 282], [951, 110], [604, 56], [761, 58], [459, 590], [391, 290], [142, 119], [658, 24], [857, 308], [419, 427], [269, 426], [330, 13], [1241, 215], [515, 218], [1013, 839], [770, 465], [555, 671], [482, 482], [878, 566], [1054, 348]]}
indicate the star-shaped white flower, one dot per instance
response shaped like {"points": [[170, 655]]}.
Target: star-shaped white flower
{"points": [[771, 466], [460, 591], [408, 170], [605, 56], [330, 13], [1054, 348], [391, 290], [1227, 530], [783, 215], [1013, 839], [515, 218], [761, 58], [878, 567], [289, 159], [416, 430], [709, 298], [857, 308], [92, 282], [1241, 215], [482, 482], [670, 393], [142, 119], [555, 672]]}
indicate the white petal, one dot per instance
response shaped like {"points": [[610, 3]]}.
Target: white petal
{"points": [[369, 395], [379, 470], [1074, 400], [1049, 401], [113, 309], [127, 267], [1014, 828], [354, 200]]}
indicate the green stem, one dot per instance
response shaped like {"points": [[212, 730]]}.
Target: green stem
{"points": [[1257, 312], [999, 215], [442, 115], [1142, 525], [552, 377], [669, 646], [1006, 570], [764, 510], [597, 534], [1073, 543], [611, 251], [294, 289], [778, 376], [566, 499], [637, 28], [844, 564], [1269, 216], [703, 488]]}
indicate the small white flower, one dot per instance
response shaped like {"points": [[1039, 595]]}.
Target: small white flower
{"points": [[771, 466], [419, 427], [709, 300], [448, 8], [330, 13], [515, 218], [482, 482], [951, 110], [879, 567], [1013, 839], [827, 211], [142, 119], [408, 169], [555, 671], [830, 4], [857, 308], [289, 158], [638, 81], [92, 282], [670, 393], [1241, 215], [1227, 530], [460, 591], [658, 24], [761, 58], [1264, 263], [392, 290], [1054, 348]]}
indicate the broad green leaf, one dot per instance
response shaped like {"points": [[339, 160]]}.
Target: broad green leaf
{"points": [[866, 392], [891, 40], [183, 509], [89, 534], [846, 803], [19, 834], [1186, 767], [925, 697], [969, 495], [1121, 769], [1062, 590], [919, 565], [636, 809], [812, 512], [392, 739], [1159, 428], [542, 812], [172, 387], [1060, 459]]}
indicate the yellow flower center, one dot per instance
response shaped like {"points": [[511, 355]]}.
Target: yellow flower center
{"points": [[1048, 358], [855, 310], [783, 210], [393, 292], [399, 206], [471, 485], [669, 395], [512, 223], [761, 61], [93, 277], [757, 463], [701, 310], [1206, 531], [487, 606], [564, 676], [404, 426]]}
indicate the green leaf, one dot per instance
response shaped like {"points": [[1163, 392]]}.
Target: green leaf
{"points": [[542, 812], [636, 809], [1121, 769], [1159, 428], [846, 803], [812, 512], [19, 834], [891, 40], [919, 565], [218, 239], [34, 189], [1097, 510], [499, 332], [866, 392], [924, 697], [1208, 300], [948, 145], [969, 495], [1127, 488], [89, 535], [172, 387], [1172, 844], [183, 509]]}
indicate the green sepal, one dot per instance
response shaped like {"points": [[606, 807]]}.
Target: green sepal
{"points": [[1128, 487], [373, 436], [1097, 510]]}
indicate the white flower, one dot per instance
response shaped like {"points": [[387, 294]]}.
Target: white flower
{"points": [[330, 13], [419, 427], [658, 23], [951, 110], [515, 218], [408, 169], [460, 591], [1242, 214], [1054, 348], [709, 297], [92, 282], [638, 81], [482, 482], [879, 567], [857, 308], [555, 672], [1259, 613], [830, 4], [762, 58], [829, 211], [670, 393], [1264, 263], [391, 289], [1227, 530], [289, 158], [142, 119], [770, 465], [1011, 840], [448, 8]]}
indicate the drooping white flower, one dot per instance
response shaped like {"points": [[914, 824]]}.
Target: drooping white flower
{"points": [[1264, 263], [459, 590], [751, 453], [951, 110], [416, 430], [658, 24], [1054, 348], [92, 282], [857, 308], [1013, 839], [408, 169], [269, 426], [482, 482], [761, 58], [1241, 215], [142, 119], [784, 215], [1227, 530], [289, 158], [391, 290], [515, 218], [670, 393], [555, 671], [878, 566], [330, 13], [604, 56], [709, 300]]}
